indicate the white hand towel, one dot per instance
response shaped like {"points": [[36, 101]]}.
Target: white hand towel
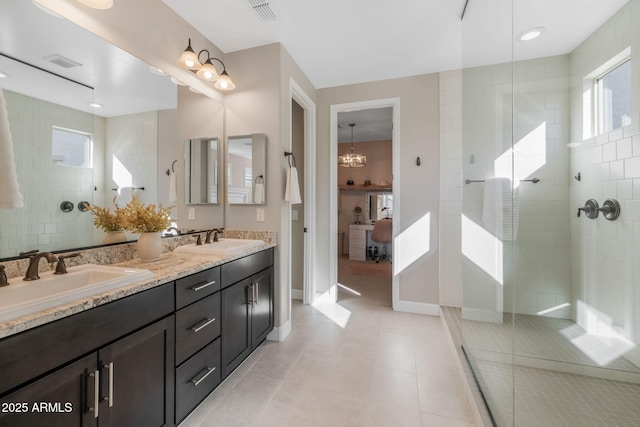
{"points": [[292, 192], [173, 190], [501, 208], [10, 196], [258, 197]]}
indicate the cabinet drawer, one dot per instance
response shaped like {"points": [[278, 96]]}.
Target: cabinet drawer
{"points": [[196, 326], [192, 288], [196, 378], [357, 243], [357, 234], [246, 267]]}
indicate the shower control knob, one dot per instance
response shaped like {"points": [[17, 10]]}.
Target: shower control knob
{"points": [[610, 209], [590, 209]]}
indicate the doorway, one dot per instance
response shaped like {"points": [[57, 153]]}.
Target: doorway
{"points": [[361, 190], [365, 205]]}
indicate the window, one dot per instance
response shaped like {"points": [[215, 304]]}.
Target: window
{"points": [[71, 148], [248, 177], [613, 98]]}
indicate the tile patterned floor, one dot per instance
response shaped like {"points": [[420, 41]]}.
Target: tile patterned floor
{"points": [[545, 397], [384, 368]]}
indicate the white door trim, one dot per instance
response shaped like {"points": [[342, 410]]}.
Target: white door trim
{"points": [[309, 288], [333, 184]]}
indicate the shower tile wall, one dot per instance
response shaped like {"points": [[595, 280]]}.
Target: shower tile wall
{"points": [[606, 254], [40, 223], [539, 129], [132, 140]]}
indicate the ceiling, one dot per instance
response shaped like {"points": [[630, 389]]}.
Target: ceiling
{"points": [[338, 42]]}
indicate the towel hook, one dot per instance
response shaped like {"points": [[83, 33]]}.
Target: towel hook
{"points": [[168, 172], [290, 155]]}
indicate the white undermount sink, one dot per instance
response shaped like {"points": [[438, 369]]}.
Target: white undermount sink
{"points": [[224, 247], [22, 298]]}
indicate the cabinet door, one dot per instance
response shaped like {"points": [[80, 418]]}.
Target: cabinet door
{"points": [[64, 398], [137, 378], [262, 308], [235, 333]]}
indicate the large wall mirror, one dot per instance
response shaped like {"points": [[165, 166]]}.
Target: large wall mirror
{"points": [[246, 166], [57, 73], [201, 171]]}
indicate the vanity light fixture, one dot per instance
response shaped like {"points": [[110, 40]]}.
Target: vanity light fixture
{"points": [[206, 71], [95, 105], [530, 34], [351, 159], [98, 4]]}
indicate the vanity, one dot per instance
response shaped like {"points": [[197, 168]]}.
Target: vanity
{"points": [[146, 355]]}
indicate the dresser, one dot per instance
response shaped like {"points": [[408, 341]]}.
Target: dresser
{"points": [[358, 241]]}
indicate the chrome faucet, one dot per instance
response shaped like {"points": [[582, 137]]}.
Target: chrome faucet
{"points": [[32, 270]]}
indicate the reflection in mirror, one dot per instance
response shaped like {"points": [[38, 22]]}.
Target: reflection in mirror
{"points": [[246, 165], [379, 205], [67, 147], [201, 171]]}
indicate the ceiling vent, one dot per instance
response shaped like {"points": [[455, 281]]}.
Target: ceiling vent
{"points": [[263, 9], [61, 61]]}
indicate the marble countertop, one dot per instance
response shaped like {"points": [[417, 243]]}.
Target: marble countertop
{"points": [[169, 267]]}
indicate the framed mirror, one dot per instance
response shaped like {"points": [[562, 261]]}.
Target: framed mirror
{"points": [[201, 171], [246, 167]]}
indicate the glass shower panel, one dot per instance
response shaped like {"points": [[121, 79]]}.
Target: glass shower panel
{"points": [[551, 326], [488, 220]]}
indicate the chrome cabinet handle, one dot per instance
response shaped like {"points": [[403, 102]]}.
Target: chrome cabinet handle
{"points": [[206, 322], [96, 393], [109, 398], [250, 299], [208, 372], [202, 285], [257, 288]]}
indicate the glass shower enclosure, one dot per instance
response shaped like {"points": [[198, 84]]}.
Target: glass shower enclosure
{"points": [[550, 164]]}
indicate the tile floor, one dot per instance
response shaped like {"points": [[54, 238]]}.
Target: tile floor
{"points": [[384, 368]]}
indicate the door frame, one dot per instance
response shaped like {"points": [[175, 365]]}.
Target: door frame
{"points": [[394, 103], [309, 107]]}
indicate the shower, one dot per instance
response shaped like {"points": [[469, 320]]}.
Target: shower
{"points": [[550, 223]]}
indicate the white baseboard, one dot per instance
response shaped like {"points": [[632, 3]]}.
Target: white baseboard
{"points": [[297, 294], [279, 333], [481, 315], [417, 308]]}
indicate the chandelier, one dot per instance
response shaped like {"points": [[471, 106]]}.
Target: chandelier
{"points": [[351, 159]]}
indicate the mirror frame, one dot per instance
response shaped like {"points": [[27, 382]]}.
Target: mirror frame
{"points": [[195, 184]]}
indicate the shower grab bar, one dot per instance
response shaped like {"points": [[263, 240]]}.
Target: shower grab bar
{"points": [[534, 180]]}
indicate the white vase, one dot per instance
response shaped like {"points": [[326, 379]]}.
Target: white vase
{"points": [[149, 246], [114, 237]]}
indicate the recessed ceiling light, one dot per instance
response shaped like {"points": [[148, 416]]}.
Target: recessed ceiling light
{"points": [[3, 74], [178, 82], [94, 105], [194, 90], [530, 34], [97, 4]]}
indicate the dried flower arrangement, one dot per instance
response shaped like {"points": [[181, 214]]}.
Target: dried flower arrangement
{"points": [[138, 218], [134, 217], [106, 220]]}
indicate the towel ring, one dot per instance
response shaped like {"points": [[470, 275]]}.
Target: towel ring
{"points": [[259, 179], [290, 155]]}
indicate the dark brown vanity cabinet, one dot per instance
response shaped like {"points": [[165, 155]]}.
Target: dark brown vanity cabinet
{"points": [[247, 307], [126, 383], [197, 339]]}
